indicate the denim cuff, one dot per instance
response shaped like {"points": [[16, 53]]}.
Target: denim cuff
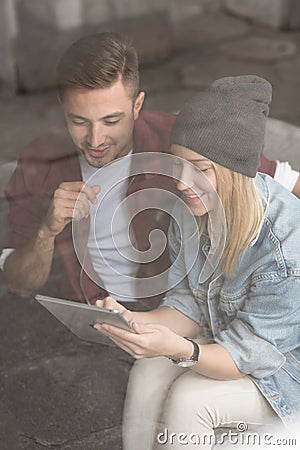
{"points": [[252, 354], [183, 303]]}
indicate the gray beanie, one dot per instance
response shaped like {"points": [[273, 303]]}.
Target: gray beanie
{"points": [[226, 122]]}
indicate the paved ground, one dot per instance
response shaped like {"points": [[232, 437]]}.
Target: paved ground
{"points": [[58, 392]]}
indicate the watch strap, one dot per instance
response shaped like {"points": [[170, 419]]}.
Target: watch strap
{"points": [[193, 359]]}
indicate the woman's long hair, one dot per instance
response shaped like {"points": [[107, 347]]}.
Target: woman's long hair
{"points": [[243, 210]]}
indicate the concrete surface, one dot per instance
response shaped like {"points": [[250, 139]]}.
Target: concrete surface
{"points": [[57, 392]]}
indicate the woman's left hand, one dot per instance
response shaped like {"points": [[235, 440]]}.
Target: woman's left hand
{"points": [[148, 341]]}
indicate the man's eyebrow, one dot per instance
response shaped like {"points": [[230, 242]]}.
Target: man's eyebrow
{"points": [[76, 116], [114, 115], [117, 114]]}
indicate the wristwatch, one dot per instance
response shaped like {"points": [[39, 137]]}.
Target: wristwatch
{"points": [[192, 360]]}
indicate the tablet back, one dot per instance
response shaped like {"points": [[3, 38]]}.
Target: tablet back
{"points": [[80, 318]]}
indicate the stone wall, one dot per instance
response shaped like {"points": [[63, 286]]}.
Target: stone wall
{"points": [[33, 33], [8, 32], [278, 14], [61, 14], [47, 27], [66, 14]]}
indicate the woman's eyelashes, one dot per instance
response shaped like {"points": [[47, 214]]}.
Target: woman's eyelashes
{"points": [[178, 168]]}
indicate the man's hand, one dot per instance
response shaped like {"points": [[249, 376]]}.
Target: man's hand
{"points": [[70, 202], [27, 269]]}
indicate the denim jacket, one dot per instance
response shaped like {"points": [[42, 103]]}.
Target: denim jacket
{"points": [[254, 314]]}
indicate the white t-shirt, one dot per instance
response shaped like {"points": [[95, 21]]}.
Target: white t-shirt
{"points": [[110, 239]]}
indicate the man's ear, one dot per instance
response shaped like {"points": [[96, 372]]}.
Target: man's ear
{"points": [[138, 104], [58, 97]]}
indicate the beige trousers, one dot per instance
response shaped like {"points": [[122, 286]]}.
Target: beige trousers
{"points": [[168, 407]]}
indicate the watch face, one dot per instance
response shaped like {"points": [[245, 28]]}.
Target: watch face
{"points": [[188, 363]]}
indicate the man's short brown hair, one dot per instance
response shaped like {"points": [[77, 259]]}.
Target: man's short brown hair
{"points": [[98, 61]]}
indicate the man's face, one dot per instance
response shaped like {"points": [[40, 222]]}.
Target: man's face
{"points": [[101, 121]]}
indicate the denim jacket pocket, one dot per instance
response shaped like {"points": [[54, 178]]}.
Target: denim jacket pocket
{"points": [[230, 303]]}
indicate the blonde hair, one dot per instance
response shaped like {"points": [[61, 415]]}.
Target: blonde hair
{"points": [[243, 211]]}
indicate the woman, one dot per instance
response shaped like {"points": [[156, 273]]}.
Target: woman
{"points": [[234, 338]]}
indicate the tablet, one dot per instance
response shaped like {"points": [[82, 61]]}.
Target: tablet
{"points": [[80, 318]]}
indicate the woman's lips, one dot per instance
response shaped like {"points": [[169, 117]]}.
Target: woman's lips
{"points": [[191, 198]]}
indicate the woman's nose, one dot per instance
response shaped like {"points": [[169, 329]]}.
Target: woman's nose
{"points": [[185, 180], [181, 186]]}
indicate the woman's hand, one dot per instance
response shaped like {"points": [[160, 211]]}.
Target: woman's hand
{"points": [[111, 303], [148, 341]]}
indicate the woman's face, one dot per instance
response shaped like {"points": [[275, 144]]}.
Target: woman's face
{"points": [[196, 180]]}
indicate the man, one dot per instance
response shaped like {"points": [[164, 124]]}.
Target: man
{"points": [[98, 86]]}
